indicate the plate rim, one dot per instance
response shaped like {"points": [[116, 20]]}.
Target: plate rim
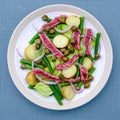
{"points": [[54, 106]]}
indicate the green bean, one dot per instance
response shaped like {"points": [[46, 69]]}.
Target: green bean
{"points": [[91, 58], [91, 71], [58, 90], [97, 43], [28, 62], [56, 95], [81, 60], [78, 72], [52, 35], [64, 84], [80, 83], [58, 100], [47, 62], [78, 75], [48, 20], [37, 65], [54, 91], [31, 86], [28, 67], [81, 26], [36, 36]]}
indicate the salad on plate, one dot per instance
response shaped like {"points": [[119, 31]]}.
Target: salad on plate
{"points": [[60, 57]]}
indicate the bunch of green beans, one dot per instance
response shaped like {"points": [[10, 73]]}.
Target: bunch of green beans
{"points": [[57, 93], [48, 20], [78, 72], [47, 62], [91, 71], [81, 26], [97, 43], [64, 84], [81, 60], [36, 36], [28, 64], [91, 58]]}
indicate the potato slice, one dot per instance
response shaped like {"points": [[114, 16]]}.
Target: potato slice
{"points": [[31, 79], [70, 72], [60, 41], [87, 63], [30, 52], [73, 20], [68, 92]]}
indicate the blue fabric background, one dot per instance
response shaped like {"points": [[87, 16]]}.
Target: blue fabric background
{"points": [[13, 106]]}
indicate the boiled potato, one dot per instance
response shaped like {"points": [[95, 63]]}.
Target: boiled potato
{"points": [[31, 79], [30, 52], [60, 41], [87, 63], [73, 20], [70, 71], [68, 92]]}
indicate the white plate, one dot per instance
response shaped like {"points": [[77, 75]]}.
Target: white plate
{"points": [[25, 30]]}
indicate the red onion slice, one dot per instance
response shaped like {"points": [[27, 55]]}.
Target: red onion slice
{"points": [[77, 91], [83, 72], [78, 64], [46, 82], [63, 31], [99, 48], [20, 54], [50, 55], [37, 29], [36, 59], [40, 57]]}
